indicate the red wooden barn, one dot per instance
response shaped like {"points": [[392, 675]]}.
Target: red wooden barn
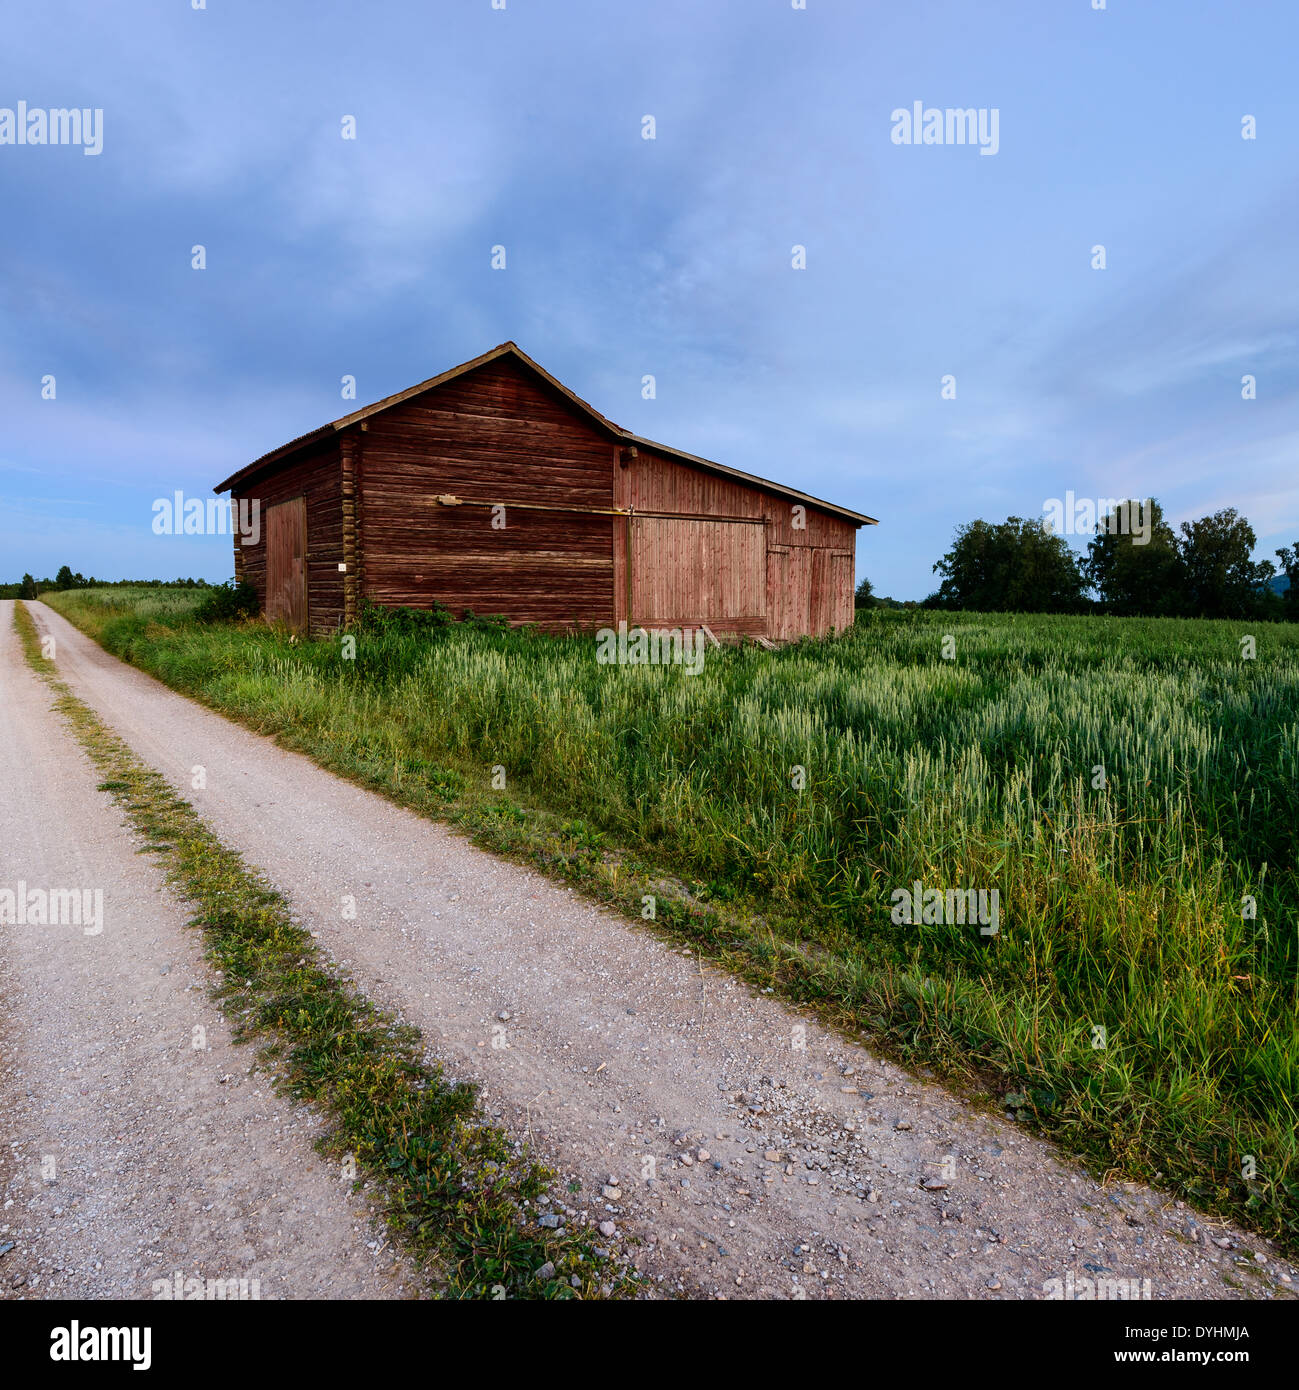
{"points": [[493, 487]]}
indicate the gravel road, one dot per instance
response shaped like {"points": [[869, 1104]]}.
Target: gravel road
{"points": [[732, 1146], [129, 1155]]}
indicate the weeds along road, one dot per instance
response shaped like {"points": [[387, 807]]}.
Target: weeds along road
{"points": [[730, 1145], [128, 1154]]}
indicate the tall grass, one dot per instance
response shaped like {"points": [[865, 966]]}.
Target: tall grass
{"points": [[1125, 898]]}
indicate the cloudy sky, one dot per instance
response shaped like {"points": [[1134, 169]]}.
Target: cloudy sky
{"points": [[523, 127]]}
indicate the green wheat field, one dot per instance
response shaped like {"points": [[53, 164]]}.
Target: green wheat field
{"points": [[1130, 787]]}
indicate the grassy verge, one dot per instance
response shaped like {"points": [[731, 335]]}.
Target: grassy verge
{"points": [[1129, 787], [458, 1192]]}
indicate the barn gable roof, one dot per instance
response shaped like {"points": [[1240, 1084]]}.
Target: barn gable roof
{"points": [[512, 349]]}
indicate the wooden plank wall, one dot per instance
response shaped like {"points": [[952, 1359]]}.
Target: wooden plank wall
{"points": [[497, 435], [314, 476], [805, 585]]}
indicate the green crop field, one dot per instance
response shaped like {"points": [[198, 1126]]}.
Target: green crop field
{"points": [[1129, 787]]}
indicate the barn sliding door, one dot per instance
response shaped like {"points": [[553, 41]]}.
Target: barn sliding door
{"points": [[687, 572], [286, 563]]}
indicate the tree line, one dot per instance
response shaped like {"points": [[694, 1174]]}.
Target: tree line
{"points": [[1135, 565], [29, 587]]}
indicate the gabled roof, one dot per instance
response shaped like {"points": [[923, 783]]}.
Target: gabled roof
{"points": [[511, 349]]}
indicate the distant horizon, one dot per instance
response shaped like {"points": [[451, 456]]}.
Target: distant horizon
{"points": [[221, 502], [1279, 582]]}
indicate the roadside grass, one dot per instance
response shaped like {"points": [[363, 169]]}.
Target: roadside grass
{"points": [[1130, 1005], [457, 1192]]}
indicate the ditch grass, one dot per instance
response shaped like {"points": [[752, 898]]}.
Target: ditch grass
{"points": [[458, 1193], [1121, 904]]}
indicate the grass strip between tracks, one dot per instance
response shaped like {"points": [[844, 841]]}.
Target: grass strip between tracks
{"points": [[459, 1193]]}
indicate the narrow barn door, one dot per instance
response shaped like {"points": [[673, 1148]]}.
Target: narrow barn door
{"points": [[841, 577], [286, 563], [789, 591], [809, 591]]}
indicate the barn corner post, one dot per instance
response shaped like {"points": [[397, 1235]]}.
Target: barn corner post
{"points": [[623, 457], [349, 452], [237, 537]]}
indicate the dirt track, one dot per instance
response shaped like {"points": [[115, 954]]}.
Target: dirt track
{"points": [[622, 1057], [127, 1154]]}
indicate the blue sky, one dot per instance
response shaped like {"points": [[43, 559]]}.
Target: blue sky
{"points": [[625, 257]]}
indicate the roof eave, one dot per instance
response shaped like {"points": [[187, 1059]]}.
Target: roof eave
{"points": [[275, 455]]}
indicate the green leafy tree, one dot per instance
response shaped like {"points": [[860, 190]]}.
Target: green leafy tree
{"points": [[1221, 577], [1289, 557], [28, 588], [63, 580], [865, 595], [1134, 563], [1015, 566]]}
